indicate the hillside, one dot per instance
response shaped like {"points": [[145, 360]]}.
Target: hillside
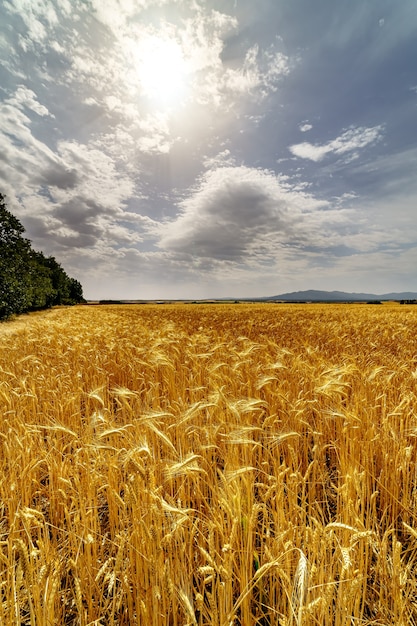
{"points": [[313, 295]]}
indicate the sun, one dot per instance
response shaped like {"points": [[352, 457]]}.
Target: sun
{"points": [[162, 70]]}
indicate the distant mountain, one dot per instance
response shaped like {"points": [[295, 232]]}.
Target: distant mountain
{"points": [[312, 295]]}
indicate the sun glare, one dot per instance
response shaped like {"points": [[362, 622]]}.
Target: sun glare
{"points": [[161, 69]]}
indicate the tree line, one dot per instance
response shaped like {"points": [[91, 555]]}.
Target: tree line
{"points": [[28, 279]]}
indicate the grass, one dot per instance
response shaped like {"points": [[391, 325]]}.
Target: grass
{"points": [[181, 465]]}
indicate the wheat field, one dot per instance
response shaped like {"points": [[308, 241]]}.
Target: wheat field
{"points": [[209, 464]]}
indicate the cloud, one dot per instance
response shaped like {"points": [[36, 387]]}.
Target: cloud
{"points": [[34, 15], [238, 214], [305, 126], [88, 207], [25, 98], [99, 73], [57, 175], [27, 162], [199, 37], [259, 73], [116, 14], [222, 159], [349, 141], [154, 134], [81, 223], [24, 159], [72, 197], [100, 175]]}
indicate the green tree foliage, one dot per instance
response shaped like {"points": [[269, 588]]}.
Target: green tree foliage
{"points": [[28, 279]]}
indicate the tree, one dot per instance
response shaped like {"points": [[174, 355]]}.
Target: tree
{"points": [[76, 291], [28, 279], [14, 255], [60, 281], [42, 291]]}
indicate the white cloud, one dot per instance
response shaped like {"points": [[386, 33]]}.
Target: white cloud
{"points": [[198, 37], [101, 68], [39, 18], [305, 127], [222, 159], [23, 157], [82, 187], [246, 78], [278, 65], [307, 150], [115, 14], [26, 98], [350, 140], [155, 134], [101, 74], [258, 75], [99, 175]]}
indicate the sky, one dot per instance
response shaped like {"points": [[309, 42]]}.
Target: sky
{"points": [[201, 149]]}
